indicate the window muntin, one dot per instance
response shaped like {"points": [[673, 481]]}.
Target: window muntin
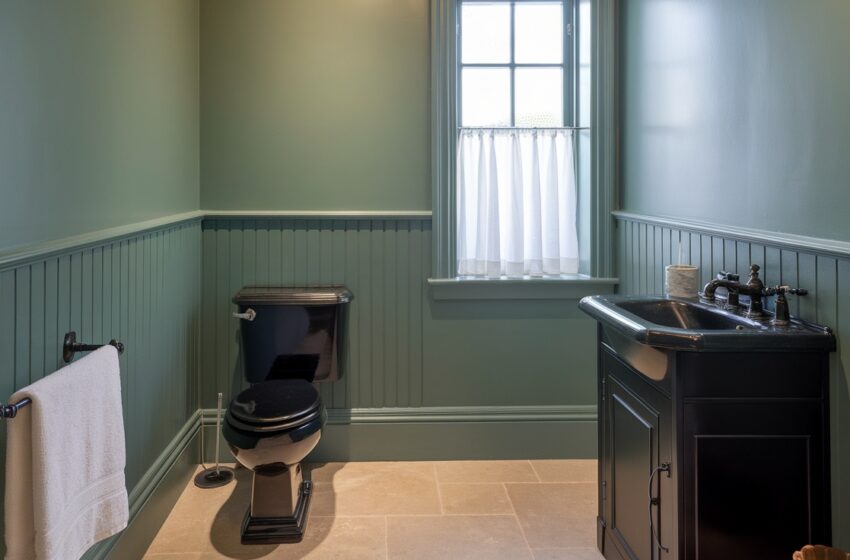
{"points": [[524, 45]]}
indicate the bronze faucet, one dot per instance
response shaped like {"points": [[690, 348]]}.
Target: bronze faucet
{"points": [[756, 290], [753, 288]]}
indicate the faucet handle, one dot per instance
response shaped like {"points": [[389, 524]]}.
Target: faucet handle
{"points": [[782, 290], [723, 275], [782, 316]]}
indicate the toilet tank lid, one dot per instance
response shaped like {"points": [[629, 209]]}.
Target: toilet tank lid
{"points": [[293, 295]]}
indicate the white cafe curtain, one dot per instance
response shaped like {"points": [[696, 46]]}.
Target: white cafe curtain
{"points": [[516, 195]]}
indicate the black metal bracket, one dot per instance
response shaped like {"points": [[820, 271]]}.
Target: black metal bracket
{"points": [[70, 346], [11, 410]]}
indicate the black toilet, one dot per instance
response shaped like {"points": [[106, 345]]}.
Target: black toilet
{"points": [[291, 338]]}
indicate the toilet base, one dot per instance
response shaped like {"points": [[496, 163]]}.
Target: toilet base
{"points": [[276, 530]]}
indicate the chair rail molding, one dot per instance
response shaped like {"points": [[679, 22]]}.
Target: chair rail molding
{"points": [[818, 245], [318, 214], [17, 256], [25, 254]]}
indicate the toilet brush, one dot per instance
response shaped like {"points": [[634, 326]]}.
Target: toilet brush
{"points": [[213, 477]]}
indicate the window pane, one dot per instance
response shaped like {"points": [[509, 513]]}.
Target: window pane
{"points": [[539, 33], [486, 97], [486, 33], [539, 97]]}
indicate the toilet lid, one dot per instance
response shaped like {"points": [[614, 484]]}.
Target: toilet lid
{"points": [[275, 402]]}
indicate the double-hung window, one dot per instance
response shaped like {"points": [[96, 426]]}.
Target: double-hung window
{"points": [[516, 179]]}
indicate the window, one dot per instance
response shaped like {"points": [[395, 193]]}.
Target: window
{"points": [[515, 64], [516, 180]]}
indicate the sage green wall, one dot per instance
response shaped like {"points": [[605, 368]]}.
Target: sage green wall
{"points": [[99, 115], [738, 112], [310, 105], [99, 128]]}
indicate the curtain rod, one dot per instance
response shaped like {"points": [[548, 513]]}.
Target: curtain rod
{"points": [[523, 128]]}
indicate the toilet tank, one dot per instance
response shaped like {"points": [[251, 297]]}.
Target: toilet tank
{"points": [[295, 332]]}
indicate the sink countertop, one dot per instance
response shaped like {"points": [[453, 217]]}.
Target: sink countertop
{"points": [[728, 331]]}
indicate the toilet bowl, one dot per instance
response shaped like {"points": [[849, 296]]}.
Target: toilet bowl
{"points": [[291, 338]]}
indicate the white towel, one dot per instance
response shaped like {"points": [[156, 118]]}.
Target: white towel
{"points": [[65, 462]]}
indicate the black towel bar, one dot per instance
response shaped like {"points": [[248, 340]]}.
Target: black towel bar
{"points": [[11, 410], [71, 346]]}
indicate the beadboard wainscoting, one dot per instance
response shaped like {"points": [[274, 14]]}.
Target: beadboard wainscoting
{"points": [[139, 287], [383, 262], [647, 244], [422, 378]]}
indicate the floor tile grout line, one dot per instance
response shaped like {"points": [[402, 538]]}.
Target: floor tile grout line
{"points": [[362, 515], [506, 514], [516, 517], [536, 474], [387, 537], [549, 483], [434, 515], [436, 472], [494, 483], [564, 548], [439, 490]]}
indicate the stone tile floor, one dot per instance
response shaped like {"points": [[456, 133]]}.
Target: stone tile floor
{"points": [[488, 510]]}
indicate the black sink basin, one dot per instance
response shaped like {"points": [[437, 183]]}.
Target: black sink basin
{"points": [[685, 315], [678, 323]]}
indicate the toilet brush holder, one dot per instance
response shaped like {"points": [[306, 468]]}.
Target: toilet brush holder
{"points": [[213, 477]]}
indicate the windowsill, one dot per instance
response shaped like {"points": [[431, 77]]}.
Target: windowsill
{"points": [[563, 287]]}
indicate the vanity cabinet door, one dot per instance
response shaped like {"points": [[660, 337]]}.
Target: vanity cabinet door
{"points": [[759, 486], [632, 450]]}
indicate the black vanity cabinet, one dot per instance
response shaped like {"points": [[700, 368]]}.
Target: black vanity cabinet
{"points": [[711, 454]]}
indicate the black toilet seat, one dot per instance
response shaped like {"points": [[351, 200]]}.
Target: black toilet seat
{"points": [[273, 406]]}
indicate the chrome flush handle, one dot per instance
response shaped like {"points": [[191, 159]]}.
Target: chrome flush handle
{"points": [[249, 315]]}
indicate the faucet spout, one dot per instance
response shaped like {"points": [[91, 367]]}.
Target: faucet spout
{"points": [[710, 288], [754, 288]]}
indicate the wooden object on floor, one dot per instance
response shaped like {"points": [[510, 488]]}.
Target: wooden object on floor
{"points": [[820, 552]]}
